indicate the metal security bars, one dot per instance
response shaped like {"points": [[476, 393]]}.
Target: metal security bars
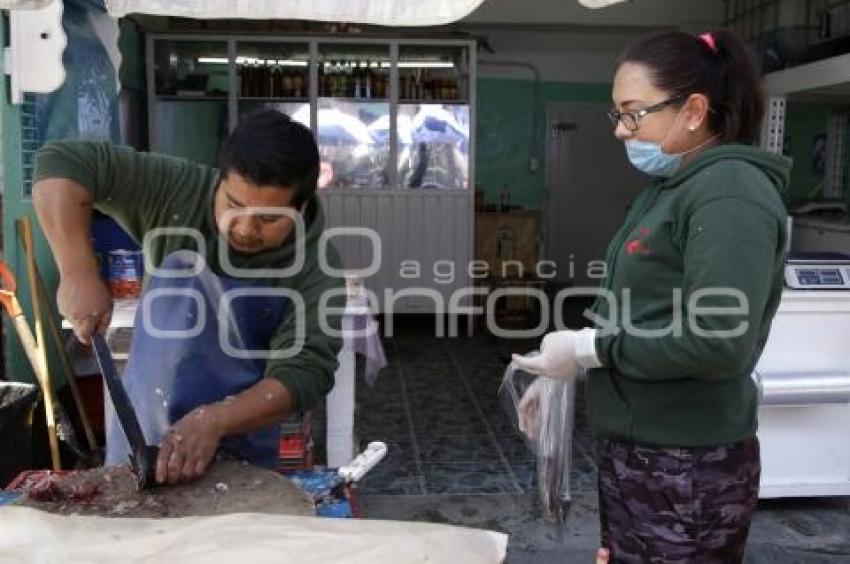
{"points": [[30, 141]]}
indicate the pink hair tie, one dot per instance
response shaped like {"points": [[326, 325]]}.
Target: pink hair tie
{"points": [[709, 40]]}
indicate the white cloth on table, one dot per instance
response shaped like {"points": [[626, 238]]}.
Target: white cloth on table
{"points": [[30, 535]]}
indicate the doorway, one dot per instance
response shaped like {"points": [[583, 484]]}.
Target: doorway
{"points": [[590, 185]]}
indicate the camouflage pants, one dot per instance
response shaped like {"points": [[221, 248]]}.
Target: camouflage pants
{"points": [[677, 505]]}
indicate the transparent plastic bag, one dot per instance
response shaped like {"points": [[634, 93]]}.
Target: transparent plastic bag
{"points": [[542, 410]]}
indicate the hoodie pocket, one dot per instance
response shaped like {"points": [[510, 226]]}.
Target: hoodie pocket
{"points": [[608, 410]]}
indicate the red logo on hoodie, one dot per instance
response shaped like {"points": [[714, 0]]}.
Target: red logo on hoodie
{"points": [[638, 245]]}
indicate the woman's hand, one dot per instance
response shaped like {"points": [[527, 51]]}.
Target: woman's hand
{"points": [[557, 357], [563, 355]]}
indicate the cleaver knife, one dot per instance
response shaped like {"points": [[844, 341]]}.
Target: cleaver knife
{"points": [[142, 457]]}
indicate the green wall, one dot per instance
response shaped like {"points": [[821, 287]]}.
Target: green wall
{"points": [[506, 114], [504, 143], [803, 125], [131, 45]]}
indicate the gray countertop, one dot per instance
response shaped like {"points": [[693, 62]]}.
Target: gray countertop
{"points": [[833, 224]]}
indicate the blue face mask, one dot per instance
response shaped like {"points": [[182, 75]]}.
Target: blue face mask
{"points": [[649, 158]]}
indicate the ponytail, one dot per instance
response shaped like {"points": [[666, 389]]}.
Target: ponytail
{"points": [[716, 64]]}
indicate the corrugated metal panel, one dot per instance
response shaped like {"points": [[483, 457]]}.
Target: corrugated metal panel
{"points": [[425, 227], [30, 139]]}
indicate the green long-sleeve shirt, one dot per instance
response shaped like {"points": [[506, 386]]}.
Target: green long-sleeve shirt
{"points": [[675, 371], [144, 191]]}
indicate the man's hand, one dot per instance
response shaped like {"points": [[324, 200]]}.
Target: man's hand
{"points": [[84, 300], [64, 209], [189, 445]]}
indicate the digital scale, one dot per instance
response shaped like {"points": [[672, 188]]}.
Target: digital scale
{"points": [[818, 271], [803, 377]]}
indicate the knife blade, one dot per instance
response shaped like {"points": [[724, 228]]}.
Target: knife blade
{"points": [[142, 457]]}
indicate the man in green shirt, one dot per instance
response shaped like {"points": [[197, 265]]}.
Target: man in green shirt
{"points": [[257, 279]]}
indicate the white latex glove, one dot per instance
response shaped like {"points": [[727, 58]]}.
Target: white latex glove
{"points": [[557, 357]]}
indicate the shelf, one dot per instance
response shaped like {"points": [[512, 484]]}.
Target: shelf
{"points": [[174, 98], [302, 99], [332, 99], [431, 101], [352, 99], [401, 100]]}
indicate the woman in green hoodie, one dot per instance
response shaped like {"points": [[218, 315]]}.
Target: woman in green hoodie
{"points": [[694, 280]]}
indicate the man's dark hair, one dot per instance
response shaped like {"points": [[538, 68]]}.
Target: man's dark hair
{"points": [[722, 68], [271, 149]]}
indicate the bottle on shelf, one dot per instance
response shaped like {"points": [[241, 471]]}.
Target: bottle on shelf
{"points": [[287, 84], [443, 87], [325, 82], [367, 72], [350, 80], [251, 74], [274, 80], [331, 80], [263, 80], [505, 199], [412, 88], [479, 199], [420, 89], [245, 80], [298, 85], [254, 73], [337, 80], [356, 75], [256, 77], [379, 85]]}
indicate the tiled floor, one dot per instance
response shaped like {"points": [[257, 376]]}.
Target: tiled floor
{"points": [[437, 407], [455, 458]]}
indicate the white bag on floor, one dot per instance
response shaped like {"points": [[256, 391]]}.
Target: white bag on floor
{"points": [[542, 410]]}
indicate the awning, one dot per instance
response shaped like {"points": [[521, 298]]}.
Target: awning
{"points": [[377, 12], [34, 59]]}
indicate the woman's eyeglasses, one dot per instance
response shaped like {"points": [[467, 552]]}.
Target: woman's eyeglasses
{"points": [[631, 120]]}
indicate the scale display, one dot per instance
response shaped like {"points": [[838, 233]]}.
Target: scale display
{"points": [[817, 277]]}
